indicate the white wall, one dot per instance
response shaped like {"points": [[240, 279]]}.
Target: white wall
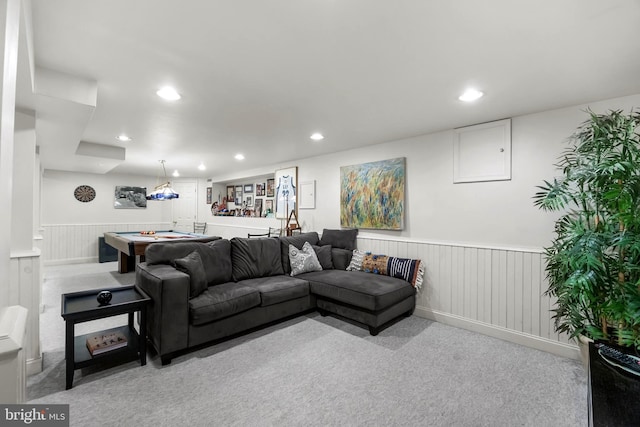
{"points": [[492, 214], [59, 206]]}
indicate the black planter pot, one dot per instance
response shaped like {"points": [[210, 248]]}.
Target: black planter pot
{"points": [[613, 392]]}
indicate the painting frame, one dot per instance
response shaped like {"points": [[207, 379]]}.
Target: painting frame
{"points": [[231, 195], [129, 197], [248, 188], [271, 187], [286, 187], [238, 195], [260, 189], [365, 202]]}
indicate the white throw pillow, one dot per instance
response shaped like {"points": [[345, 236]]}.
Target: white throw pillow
{"points": [[356, 260], [303, 260]]}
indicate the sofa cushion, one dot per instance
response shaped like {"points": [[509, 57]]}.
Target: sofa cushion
{"points": [[369, 291], [297, 241], [215, 255], [411, 270], [277, 289], [222, 301], [324, 256], [343, 239], [192, 265], [341, 258], [303, 260], [253, 258], [356, 260]]}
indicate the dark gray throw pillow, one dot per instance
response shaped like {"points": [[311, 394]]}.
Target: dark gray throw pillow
{"points": [[343, 239], [192, 265], [324, 256]]}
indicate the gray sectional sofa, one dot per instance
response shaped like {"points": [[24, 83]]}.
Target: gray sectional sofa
{"points": [[203, 292]]}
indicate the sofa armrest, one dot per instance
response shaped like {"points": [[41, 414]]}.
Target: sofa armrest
{"points": [[168, 313]]}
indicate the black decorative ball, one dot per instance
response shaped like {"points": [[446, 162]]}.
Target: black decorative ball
{"points": [[104, 297]]}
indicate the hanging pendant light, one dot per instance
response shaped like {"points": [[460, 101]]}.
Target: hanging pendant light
{"points": [[163, 191]]}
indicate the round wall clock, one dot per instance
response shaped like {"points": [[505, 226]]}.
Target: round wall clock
{"points": [[84, 193]]}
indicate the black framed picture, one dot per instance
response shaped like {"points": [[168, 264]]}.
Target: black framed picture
{"points": [[271, 187], [230, 193], [248, 188], [260, 189], [130, 197], [238, 195]]}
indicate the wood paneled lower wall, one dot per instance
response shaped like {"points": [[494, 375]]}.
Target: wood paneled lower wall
{"points": [[494, 291], [69, 243]]}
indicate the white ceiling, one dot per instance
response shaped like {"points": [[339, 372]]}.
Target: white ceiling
{"points": [[259, 77]]}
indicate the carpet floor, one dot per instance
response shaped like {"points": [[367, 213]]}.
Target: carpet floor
{"points": [[311, 371]]}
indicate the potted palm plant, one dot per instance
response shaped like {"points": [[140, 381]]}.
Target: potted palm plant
{"points": [[593, 262]]}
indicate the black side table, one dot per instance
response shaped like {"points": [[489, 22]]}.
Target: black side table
{"points": [[613, 393], [78, 307]]}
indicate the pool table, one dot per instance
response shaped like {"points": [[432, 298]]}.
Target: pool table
{"points": [[132, 243]]}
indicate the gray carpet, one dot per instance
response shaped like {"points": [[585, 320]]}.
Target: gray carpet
{"points": [[313, 370]]}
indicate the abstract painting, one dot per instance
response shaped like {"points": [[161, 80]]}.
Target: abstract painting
{"points": [[372, 195]]}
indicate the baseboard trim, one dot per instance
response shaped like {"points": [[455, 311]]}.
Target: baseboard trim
{"points": [[34, 366], [561, 349], [84, 260]]}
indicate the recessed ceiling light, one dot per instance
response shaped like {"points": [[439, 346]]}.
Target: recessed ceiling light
{"points": [[168, 93], [123, 138], [239, 156], [176, 173], [470, 95], [317, 136], [202, 167]]}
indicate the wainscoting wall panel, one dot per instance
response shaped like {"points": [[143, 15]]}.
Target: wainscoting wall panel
{"points": [[25, 291], [494, 291], [69, 243]]}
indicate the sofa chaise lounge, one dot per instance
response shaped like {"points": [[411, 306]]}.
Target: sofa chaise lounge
{"points": [[203, 292]]}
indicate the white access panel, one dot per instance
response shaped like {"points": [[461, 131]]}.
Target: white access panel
{"points": [[482, 152]]}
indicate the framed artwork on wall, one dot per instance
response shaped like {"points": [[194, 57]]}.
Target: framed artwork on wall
{"points": [[268, 206], [270, 187], [249, 201], [209, 195], [248, 188], [372, 195], [238, 195], [286, 182], [258, 207], [231, 195], [260, 189], [130, 197]]}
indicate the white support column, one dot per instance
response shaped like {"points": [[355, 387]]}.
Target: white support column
{"points": [[7, 118]]}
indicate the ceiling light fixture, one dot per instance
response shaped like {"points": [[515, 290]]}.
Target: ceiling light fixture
{"points": [[470, 95], [317, 136], [202, 166], [163, 191], [176, 173], [168, 93], [123, 138], [239, 156]]}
